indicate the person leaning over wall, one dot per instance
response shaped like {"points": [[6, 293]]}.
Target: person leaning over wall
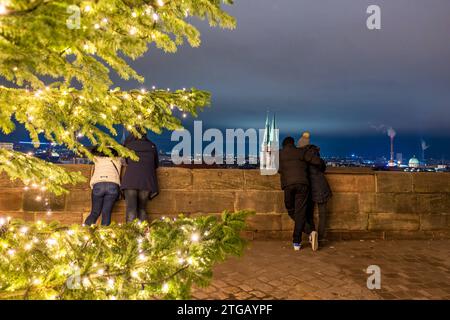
{"points": [[140, 182], [105, 184], [320, 189]]}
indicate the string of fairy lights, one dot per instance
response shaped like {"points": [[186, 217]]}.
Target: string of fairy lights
{"points": [[41, 188], [106, 274]]}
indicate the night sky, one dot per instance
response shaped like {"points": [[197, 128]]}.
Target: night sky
{"points": [[315, 64]]}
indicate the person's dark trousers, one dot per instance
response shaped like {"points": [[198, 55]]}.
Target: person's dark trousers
{"points": [[309, 223], [104, 195], [296, 202], [136, 202], [322, 219]]}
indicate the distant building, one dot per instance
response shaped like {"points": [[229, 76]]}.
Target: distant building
{"points": [[414, 162], [399, 158], [7, 145], [268, 159]]}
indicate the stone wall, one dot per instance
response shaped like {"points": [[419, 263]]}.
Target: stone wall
{"points": [[365, 205]]}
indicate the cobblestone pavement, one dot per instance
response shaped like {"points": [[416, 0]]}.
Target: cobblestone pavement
{"points": [[410, 269]]}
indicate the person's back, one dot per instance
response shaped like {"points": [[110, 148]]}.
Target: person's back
{"points": [[141, 174], [106, 170], [140, 182], [320, 189], [292, 166], [105, 184]]}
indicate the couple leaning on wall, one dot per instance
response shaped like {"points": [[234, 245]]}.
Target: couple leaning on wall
{"points": [[302, 174], [114, 178]]}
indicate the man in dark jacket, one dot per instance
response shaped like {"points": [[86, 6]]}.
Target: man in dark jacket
{"points": [[293, 170]]}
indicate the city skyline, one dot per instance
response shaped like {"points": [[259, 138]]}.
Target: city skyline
{"points": [[320, 69]]}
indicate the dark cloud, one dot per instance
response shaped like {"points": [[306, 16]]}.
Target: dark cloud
{"points": [[319, 67]]}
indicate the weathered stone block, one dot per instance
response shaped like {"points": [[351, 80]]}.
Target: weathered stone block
{"points": [[433, 203], [174, 178], [255, 181], [258, 201], [428, 182], [117, 218], [264, 222], [393, 221], [85, 170], [344, 202], [163, 203], [351, 182], [394, 182], [434, 221], [32, 203], [119, 207], [385, 202], [398, 203], [79, 200], [66, 218], [218, 179], [367, 202], [405, 203], [286, 222], [247, 235], [441, 234], [25, 216], [203, 202], [347, 221], [6, 182], [10, 199], [280, 206]]}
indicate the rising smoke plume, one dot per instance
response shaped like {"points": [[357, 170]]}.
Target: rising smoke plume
{"points": [[385, 129], [424, 145]]}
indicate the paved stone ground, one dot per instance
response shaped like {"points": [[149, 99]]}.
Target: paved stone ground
{"points": [[410, 269]]}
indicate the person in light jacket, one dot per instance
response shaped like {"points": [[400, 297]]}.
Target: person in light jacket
{"points": [[139, 182], [105, 184], [320, 189]]}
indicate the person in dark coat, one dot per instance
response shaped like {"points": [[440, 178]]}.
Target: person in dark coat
{"points": [[293, 170], [320, 189], [139, 182]]}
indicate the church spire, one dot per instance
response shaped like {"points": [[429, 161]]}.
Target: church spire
{"points": [[273, 126]]}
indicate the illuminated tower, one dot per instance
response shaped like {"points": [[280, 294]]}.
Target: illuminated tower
{"points": [[269, 148]]}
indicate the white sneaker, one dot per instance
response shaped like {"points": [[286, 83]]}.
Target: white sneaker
{"points": [[297, 246], [314, 239]]}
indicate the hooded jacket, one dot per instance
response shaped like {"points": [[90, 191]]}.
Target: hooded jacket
{"points": [[293, 165], [320, 189]]}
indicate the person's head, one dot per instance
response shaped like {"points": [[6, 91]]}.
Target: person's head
{"points": [[96, 152], [132, 137], [288, 141], [304, 139]]}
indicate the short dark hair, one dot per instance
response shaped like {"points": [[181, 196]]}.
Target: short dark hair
{"points": [[288, 141]]}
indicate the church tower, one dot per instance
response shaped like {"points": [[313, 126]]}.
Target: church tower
{"points": [[268, 158]]}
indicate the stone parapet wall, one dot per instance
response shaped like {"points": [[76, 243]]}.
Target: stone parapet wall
{"points": [[365, 204]]}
